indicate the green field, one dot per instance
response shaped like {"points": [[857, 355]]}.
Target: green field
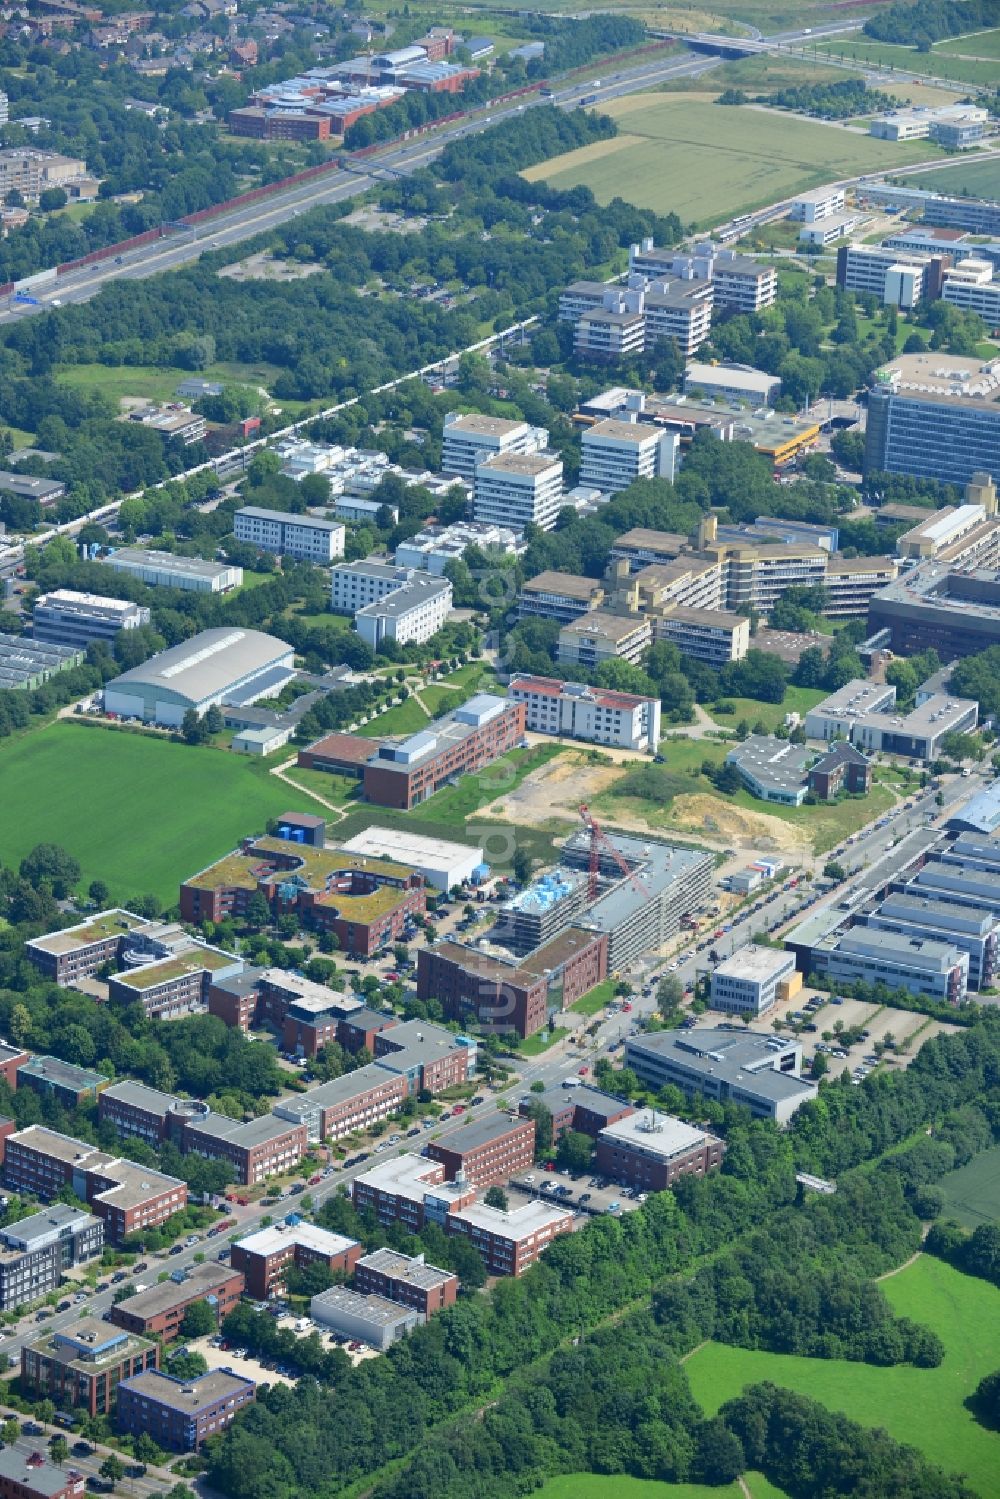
{"points": [[703, 161], [972, 1193], [406, 718], [797, 700], [333, 788], [934, 64], [617, 1486], [595, 999], [139, 813], [980, 44], [971, 179], [921, 1406], [159, 382]]}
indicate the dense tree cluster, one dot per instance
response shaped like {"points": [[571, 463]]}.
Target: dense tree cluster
{"points": [[833, 101], [927, 21]]}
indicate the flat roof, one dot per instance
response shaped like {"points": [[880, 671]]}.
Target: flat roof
{"points": [[948, 378], [414, 1269], [516, 1224], [90, 1345], [61, 1074], [278, 1236], [655, 1134], [378, 1311], [520, 463], [338, 1089], [202, 1281], [621, 431], [188, 1396], [57, 1218], [570, 585], [40, 1478], [350, 749], [669, 543], [291, 518], [756, 963], [96, 929], [477, 425], [745, 1058], [408, 596], [411, 1176], [140, 1096], [410, 848], [155, 561], [775, 762], [855, 698], [465, 1137], [608, 626]]}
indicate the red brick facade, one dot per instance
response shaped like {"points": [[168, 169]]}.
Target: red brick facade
{"points": [[494, 1151], [158, 1314], [397, 786], [619, 1160], [264, 1272]]}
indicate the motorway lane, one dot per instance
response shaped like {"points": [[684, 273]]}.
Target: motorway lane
{"points": [[257, 218]]}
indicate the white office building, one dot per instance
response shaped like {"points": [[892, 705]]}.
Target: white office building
{"points": [[471, 438], [616, 453], [820, 203], [353, 585], [596, 715], [826, 231], [168, 570], [305, 537], [970, 286], [414, 611], [65, 617], [897, 279], [515, 489], [431, 550], [733, 382], [750, 982]]}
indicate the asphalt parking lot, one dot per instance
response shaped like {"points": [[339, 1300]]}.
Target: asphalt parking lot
{"points": [[542, 1184]]}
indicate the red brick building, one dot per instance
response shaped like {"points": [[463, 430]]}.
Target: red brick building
{"points": [[430, 1057], [8, 1127], [355, 1101], [256, 1149], [27, 1475], [651, 1150], [263, 124], [11, 1058], [341, 754], [365, 902], [181, 1414], [80, 1367], [512, 997], [842, 768], [407, 1280], [263, 1257], [411, 1190], [467, 739], [159, 1311], [510, 1242], [586, 1110], [488, 1151]]}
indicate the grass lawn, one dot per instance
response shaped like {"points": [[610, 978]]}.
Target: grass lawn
{"points": [[979, 44], [455, 804], [797, 700], [972, 1193], [921, 1406], [333, 788], [541, 1041], [325, 620], [704, 161], [406, 718], [619, 1486], [937, 63], [595, 999], [93, 790], [159, 382], [438, 698]]}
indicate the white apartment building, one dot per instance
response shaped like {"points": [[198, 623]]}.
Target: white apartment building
{"points": [[681, 310], [433, 549], [354, 585], [750, 982], [826, 231], [471, 438], [616, 453], [970, 286], [305, 537], [518, 489], [594, 714], [415, 611], [737, 280], [820, 203], [347, 507]]}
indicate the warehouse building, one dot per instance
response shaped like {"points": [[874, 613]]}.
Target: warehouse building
{"points": [[372, 1320], [213, 667], [443, 864], [26, 664], [308, 538], [739, 383], [168, 570], [65, 617], [732, 1066]]}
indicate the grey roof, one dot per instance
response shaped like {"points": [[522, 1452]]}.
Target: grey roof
{"points": [[735, 1056], [29, 487], [43, 1478], [981, 814], [841, 753], [189, 1396], [557, 1098], [412, 1044], [59, 1217], [206, 664], [376, 1310], [203, 1281], [409, 595], [413, 1269], [140, 1097], [338, 1089], [142, 557], [288, 517], [658, 866], [773, 762], [252, 1132], [479, 1132], [61, 1074]]}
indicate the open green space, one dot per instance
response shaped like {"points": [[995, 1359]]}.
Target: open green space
{"points": [[763, 73], [159, 382], [454, 805], [924, 1407], [967, 179], [937, 63], [620, 1486], [138, 812], [797, 700], [979, 44], [704, 161], [438, 699], [406, 718], [534, 1045], [972, 1193], [331, 787], [595, 999]]}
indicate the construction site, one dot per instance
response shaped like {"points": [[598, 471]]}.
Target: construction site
{"points": [[611, 900]]}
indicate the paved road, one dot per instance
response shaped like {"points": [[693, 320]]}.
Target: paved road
{"points": [[252, 219]]}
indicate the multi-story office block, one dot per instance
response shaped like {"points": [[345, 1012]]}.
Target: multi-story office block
{"points": [[38, 1250], [159, 1311], [353, 585], [470, 439], [407, 1280], [487, 1151], [308, 538], [600, 636], [971, 287], [181, 1414], [65, 617], [921, 965], [468, 738], [819, 203], [519, 489], [596, 715], [614, 454], [414, 611], [82, 1366], [729, 1065], [753, 980], [263, 1257], [652, 1150], [934, 416]]}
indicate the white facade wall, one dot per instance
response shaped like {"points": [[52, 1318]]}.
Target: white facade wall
{"points": [[506, 496], [290, 535]]}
